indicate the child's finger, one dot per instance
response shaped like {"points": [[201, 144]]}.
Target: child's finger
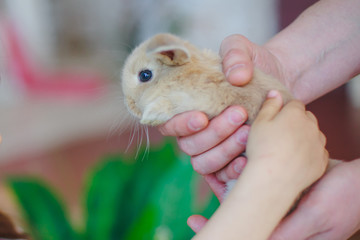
{"points": [[219, 188], [232, 170], [196, 222], [323, 138], [271, 106], [311, 116]]}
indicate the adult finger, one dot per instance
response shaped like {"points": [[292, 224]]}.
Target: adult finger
{"points": [[271, 106], [297, 226], [219, 188], [219, 128], [196, 222], [184, 124], [235, 50], [232, 170], [218, 157]]}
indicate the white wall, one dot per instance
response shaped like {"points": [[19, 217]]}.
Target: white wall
{"points": [[207, 22]]}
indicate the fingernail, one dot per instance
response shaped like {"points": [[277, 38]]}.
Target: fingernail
{"points": [[197, 166], [196, 123], [242, 135], [238, 168], [239, 165], [273, 94], [233, 69], [236, 117]]}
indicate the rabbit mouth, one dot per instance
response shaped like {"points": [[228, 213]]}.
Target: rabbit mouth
{"points": [[154, 114], [132, 108]]}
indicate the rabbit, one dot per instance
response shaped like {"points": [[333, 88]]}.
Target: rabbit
{"points": [[166, 75]]}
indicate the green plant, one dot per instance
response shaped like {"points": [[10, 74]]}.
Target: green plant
{"points": [[124, 199]]}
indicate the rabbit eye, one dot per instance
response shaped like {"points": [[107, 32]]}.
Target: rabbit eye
{"points": [[145, 75]]}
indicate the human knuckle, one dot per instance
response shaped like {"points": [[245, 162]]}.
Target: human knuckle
{"points": [[310, 114], [296, 103], [221, 175], [234, 53], [186, 146], [176, 131], [236, 37], [219, 132], [231, 173], [163, 129], [294, 110], [226, 151], [235, 41], [322, 136], [196, 165]]}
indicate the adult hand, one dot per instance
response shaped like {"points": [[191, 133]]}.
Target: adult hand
{"points": [[240, 56], [213, 145], [292, 133], [330, 210], [286, 155]]}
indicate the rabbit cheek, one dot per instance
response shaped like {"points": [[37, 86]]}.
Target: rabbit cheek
{"points": [[156, 112], [131, 106]]}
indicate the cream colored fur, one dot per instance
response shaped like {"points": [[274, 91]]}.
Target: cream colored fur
{"points": [[186, 78]]}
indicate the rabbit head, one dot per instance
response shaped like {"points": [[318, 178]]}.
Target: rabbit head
{"points": [[165, 76], [159, 78]]}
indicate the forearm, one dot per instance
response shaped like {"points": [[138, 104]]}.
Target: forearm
{"points": [[320, 50], [354, 184], [252, 210]]}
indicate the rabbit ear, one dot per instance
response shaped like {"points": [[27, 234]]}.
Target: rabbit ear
{"points": [[169, 49], [172, 55]]}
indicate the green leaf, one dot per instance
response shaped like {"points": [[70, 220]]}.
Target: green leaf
{"points": [[149, 198], [42, 210], [149, 170], [172, 197], [118, 190], [106, 197], [144, 226]]}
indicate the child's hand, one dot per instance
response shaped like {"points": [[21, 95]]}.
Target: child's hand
{"points": [[286, 154], [287, 142]]}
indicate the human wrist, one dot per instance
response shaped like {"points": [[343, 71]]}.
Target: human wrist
{"points": [[266, 181], [315, 59], [286, 74], [266, 200], [253, 202]]}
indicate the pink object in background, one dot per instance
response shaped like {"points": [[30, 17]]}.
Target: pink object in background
{"points": [[45, 83]]}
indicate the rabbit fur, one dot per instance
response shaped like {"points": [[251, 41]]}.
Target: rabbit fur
{"points": [[184, 79]]}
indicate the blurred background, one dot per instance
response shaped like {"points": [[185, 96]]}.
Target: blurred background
{"points": [[61, 107]]}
